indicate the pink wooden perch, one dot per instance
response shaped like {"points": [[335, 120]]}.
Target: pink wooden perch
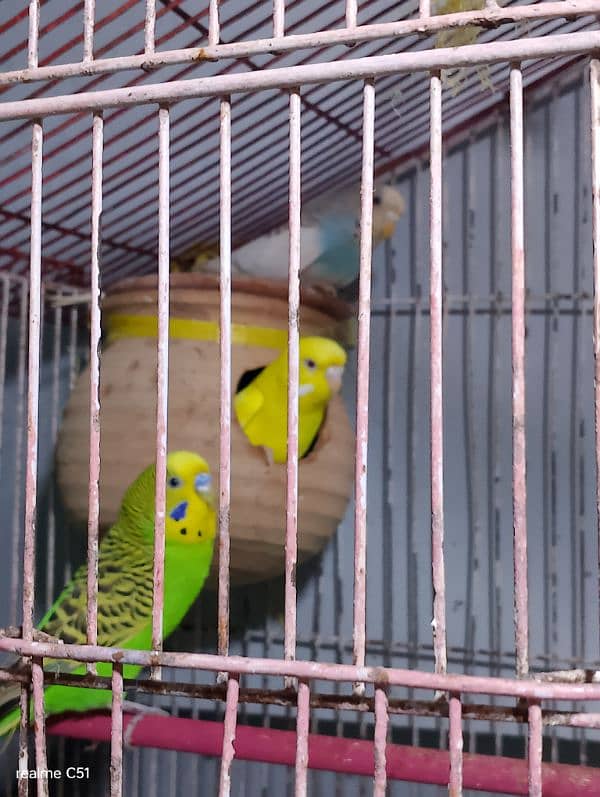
{"points": [[347, 756]]}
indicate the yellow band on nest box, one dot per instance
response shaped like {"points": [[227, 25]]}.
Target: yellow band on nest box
{"points": [[128, 413], [146, 326]]}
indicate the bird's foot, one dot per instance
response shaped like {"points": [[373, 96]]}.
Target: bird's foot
{"points": [[16, 632], [269, 455], [131, 707], [42, 636], [326, 289], [140, 710], [11, 632]]}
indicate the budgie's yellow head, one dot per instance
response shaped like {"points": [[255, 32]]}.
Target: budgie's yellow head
{"points": [[189, 513], [322, 362], [388, 206]]}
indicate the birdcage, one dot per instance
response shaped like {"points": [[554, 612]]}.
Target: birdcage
{"points": [[447, 637]]}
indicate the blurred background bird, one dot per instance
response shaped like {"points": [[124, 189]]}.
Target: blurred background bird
{"points": [[329, 240], [126, 580], [261, 401]]}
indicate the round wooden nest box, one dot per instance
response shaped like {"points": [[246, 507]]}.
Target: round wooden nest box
{"points": [[128, 413]]}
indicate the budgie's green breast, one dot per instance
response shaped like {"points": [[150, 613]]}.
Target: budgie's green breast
{"points": [[125, 587]]}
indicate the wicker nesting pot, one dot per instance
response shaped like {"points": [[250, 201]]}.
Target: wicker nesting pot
{"points": [[128, 416]]}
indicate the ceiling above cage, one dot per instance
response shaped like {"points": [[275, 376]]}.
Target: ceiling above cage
{"points": [[331, 122]]}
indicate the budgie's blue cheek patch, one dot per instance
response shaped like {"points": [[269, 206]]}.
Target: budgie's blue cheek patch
{"points": [[179, 512], [203, 483]]}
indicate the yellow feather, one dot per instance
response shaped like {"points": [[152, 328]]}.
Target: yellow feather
{"points": [[261, 407], [247, 403], [458, 37]]}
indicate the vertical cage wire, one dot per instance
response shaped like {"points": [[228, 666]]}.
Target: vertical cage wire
{"points": [[291, 519], [436, 399], [577, 448], [351, 13], [550, 366], [225, 377], [417, 205], [362, 379], [380, 741], [518, 360], [33, 381], [94, 441], [595, 128], [534, 751], [302, 728], [229, 729], [162, 382], [23, 789], [35, 291], [551, 462], [446, 306], [89, 11], [54, 416], [455, 745], [6, 290], [493, 432], [472, 440], [213, 22], [149, 27], [390, 360], [116, 731], [278, 18], [34, 32]]}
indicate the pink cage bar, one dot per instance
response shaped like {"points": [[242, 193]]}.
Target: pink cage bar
{"points": [[302, 749]]}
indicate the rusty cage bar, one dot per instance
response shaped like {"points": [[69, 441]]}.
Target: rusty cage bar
{"points": [[307, 686]]}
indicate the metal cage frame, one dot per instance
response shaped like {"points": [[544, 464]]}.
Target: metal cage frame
{"points": [[382, 760]]}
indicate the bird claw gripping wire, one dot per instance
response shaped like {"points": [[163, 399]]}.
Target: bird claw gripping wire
{"points": [[16, 632], [140, 710]]}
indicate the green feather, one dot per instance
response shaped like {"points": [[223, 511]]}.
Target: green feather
{"points": [[125, 586]]}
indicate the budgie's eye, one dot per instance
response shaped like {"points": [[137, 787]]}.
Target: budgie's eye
{"points": [[310, 364], [203, 483], [174, 481]]}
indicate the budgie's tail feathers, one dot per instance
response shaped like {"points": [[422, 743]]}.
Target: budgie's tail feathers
{"points": [[9, 710]]}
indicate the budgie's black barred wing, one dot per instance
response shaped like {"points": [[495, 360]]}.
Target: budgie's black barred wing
{"points": [[125, 579]]}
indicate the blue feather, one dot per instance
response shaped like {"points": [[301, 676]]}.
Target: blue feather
{"points": [[203, 482], [339, 258], [178, 512]]}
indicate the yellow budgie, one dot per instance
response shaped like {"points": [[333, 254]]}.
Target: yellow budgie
{"points": [[261, 405]]}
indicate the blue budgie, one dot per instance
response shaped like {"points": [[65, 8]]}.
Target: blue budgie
{"points": [[329, 240]]}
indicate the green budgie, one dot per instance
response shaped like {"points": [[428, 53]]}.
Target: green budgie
{"points": [[125, 581]]}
